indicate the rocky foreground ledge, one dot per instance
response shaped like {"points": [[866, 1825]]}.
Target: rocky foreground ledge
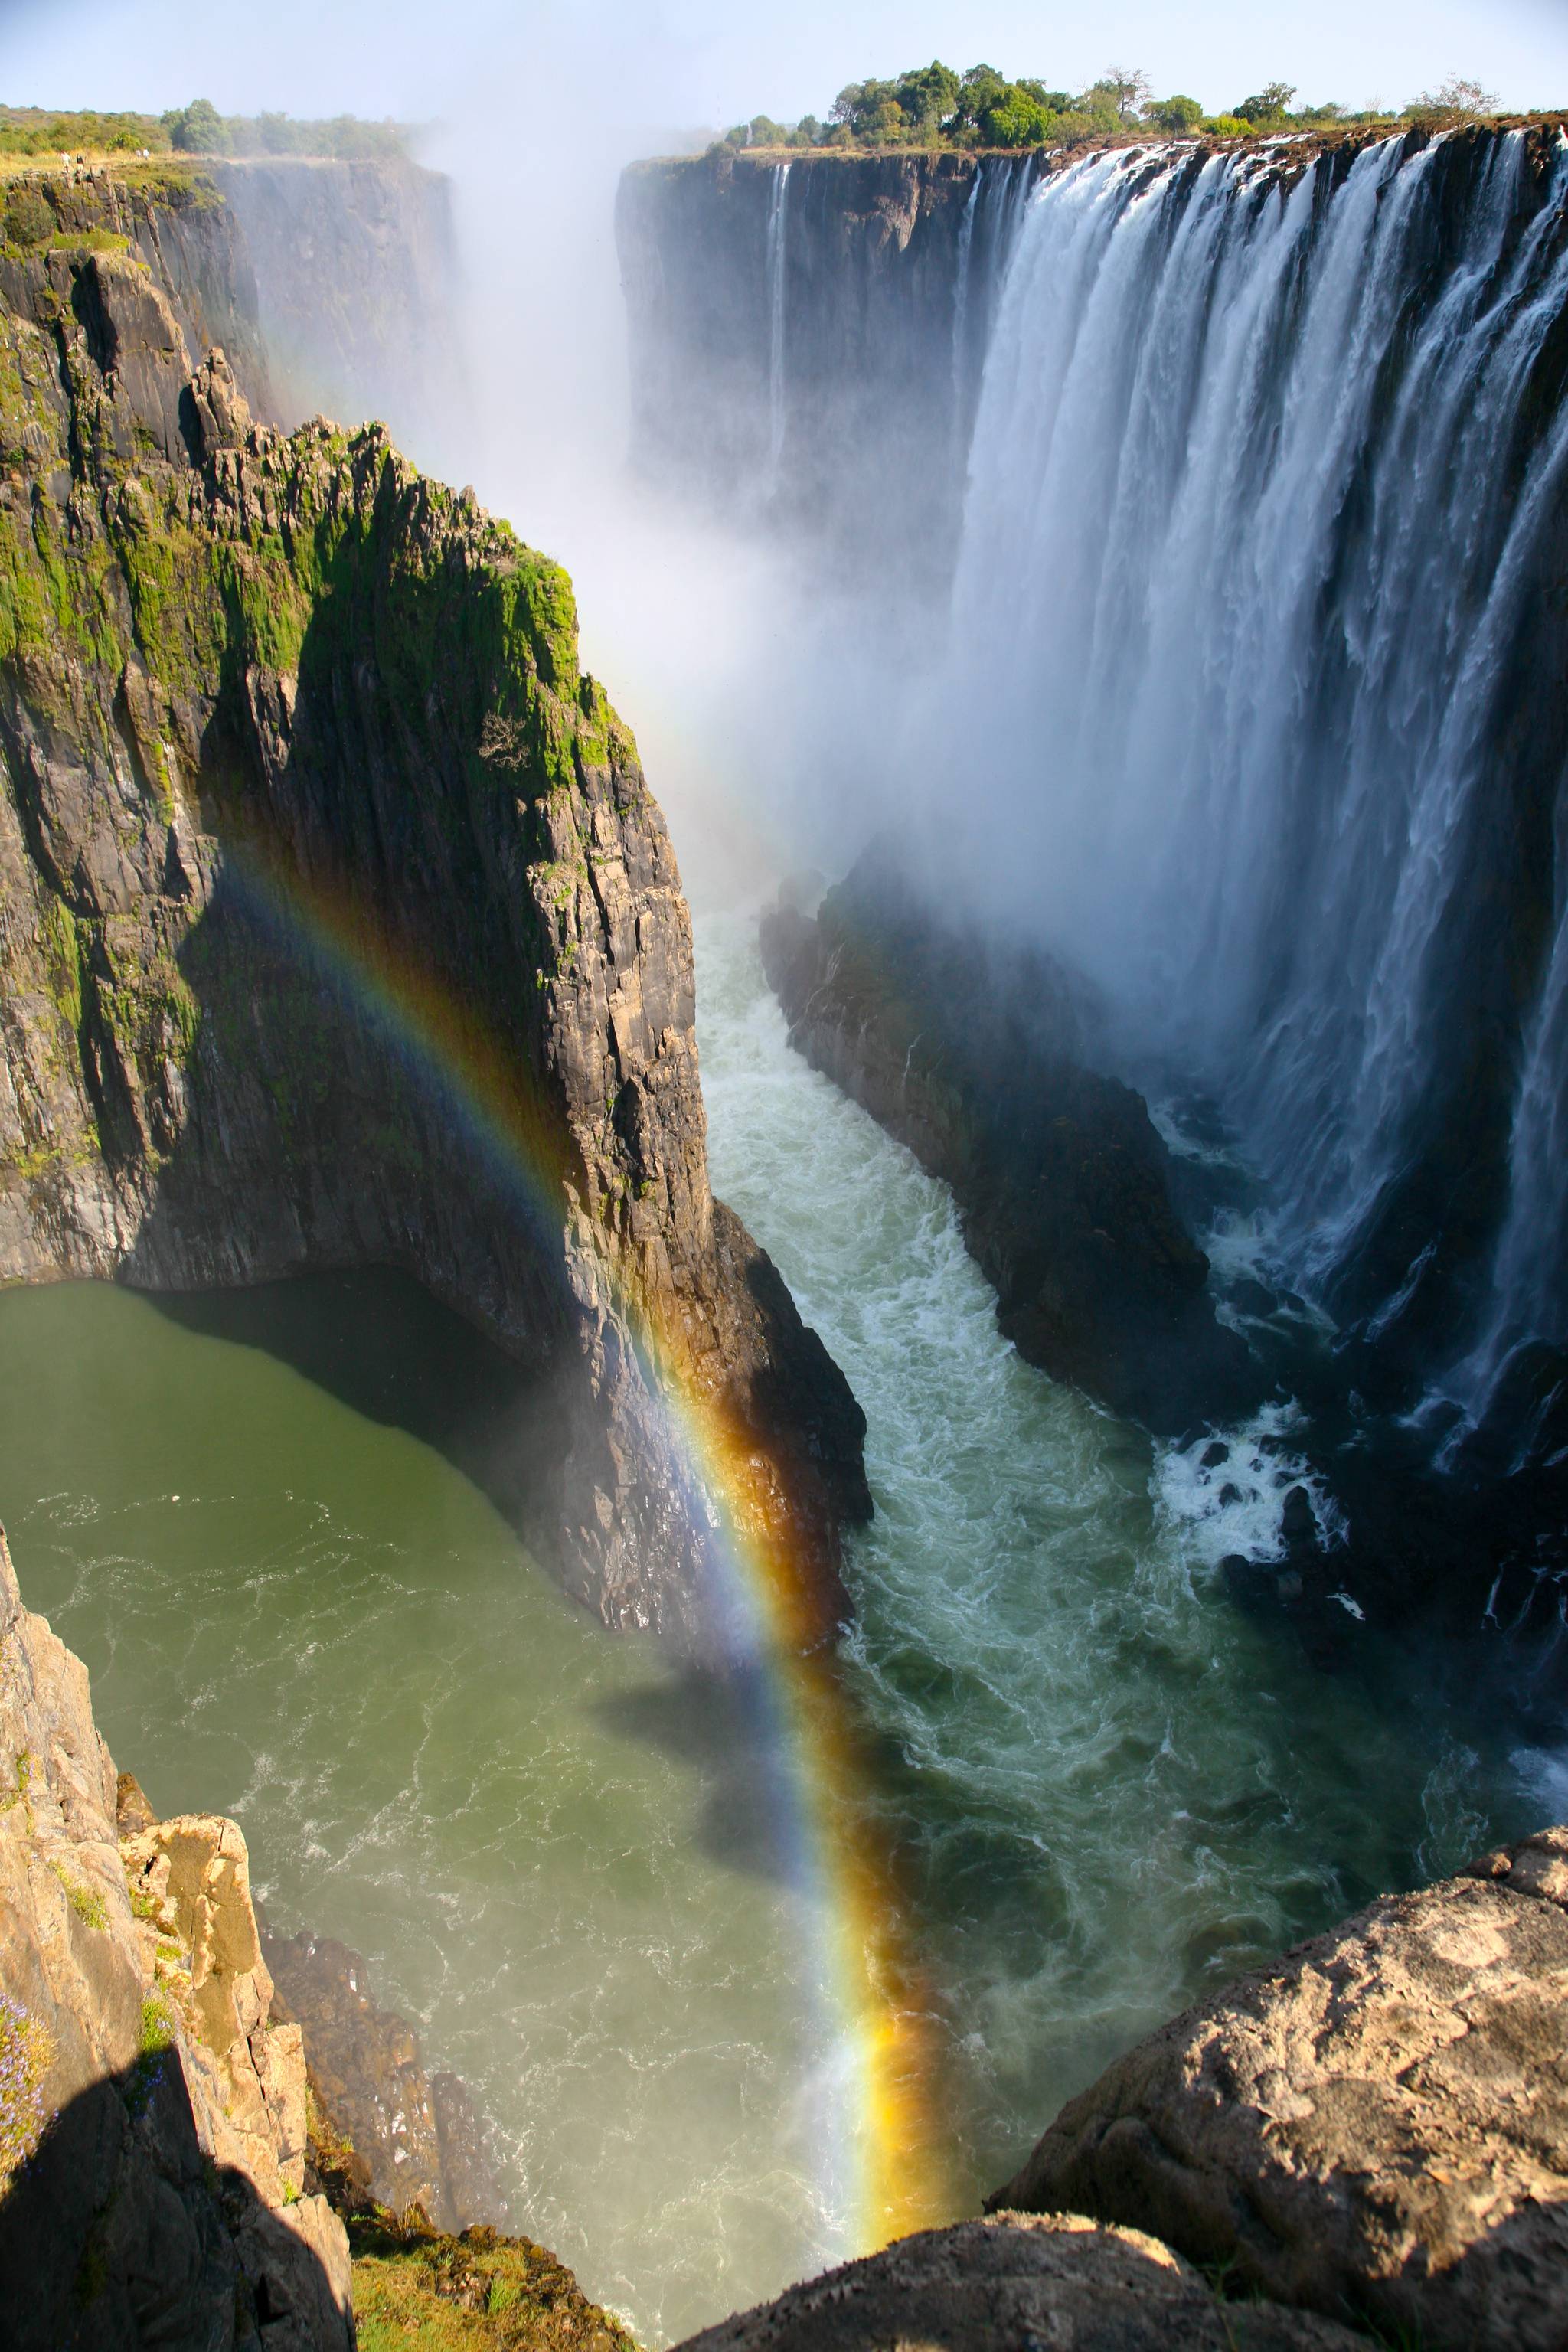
{"points": [[1368, 2138]]}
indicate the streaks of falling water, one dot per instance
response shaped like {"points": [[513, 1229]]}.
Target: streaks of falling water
{"points": [[960, 315], [777, 257], [1257, 484]]}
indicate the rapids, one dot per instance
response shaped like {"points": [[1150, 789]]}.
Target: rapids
{"points": [[1107, 1788]]}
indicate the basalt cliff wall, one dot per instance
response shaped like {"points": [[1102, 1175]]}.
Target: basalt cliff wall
{"points": [[356, 272], [338, 926], [805, 338], [330, 287]]}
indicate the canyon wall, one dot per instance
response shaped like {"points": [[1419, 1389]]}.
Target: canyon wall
{"points": [[340, 927], [355, 268], [805, 338]]}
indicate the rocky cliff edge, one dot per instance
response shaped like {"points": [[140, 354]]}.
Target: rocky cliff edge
{"points": [[152, 2115], [338, 926]]}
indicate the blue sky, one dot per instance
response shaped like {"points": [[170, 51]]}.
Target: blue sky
{"points": [[634, 64]]}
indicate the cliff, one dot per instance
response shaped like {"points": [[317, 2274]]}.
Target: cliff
{"points": [[172, 2169], [974, 1056], [151, 2114], [810, 346], [339, 926], [355, 270], [330, 287]]}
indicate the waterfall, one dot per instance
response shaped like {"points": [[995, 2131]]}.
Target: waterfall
{"points": [[1266, 467], [960, 312], [776, 259]]}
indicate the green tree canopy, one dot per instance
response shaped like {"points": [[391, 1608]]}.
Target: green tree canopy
{"points": [[197, 128]]}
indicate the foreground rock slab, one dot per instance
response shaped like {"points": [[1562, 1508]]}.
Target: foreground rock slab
{"points": [[152, 2113], [1059, 2281], [1377, 2128]]}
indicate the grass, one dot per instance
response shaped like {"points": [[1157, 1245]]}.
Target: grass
{"points": [[415, 2291], [84, 1901]]}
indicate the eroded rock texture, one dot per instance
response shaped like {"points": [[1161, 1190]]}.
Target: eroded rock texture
{"points": [[152, 2113], [338, 926], [416, 2135], [971, 1055], [1060, 2281], [1376, 2128]]}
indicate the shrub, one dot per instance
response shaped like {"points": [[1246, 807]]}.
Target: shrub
{"points": [[28, 219]]}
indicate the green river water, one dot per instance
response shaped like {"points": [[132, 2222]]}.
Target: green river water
{"points": [[264, 1523]]}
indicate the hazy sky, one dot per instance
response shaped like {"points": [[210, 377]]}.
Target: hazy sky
{"points": [[629, 63]]}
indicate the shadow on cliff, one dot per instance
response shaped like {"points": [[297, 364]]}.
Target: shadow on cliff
{"points": [[375, 1339], [121, 2231]]}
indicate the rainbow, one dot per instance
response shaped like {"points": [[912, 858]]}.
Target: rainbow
{"points": [[880, 2168]]}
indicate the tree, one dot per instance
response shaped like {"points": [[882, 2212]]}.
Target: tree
{"points": [[927, 97], [1458, 99], [197, 128], [1179, 116], [1123, 89], [1271, 104]]}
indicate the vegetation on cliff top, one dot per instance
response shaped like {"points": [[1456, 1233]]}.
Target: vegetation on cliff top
{"points": [[47, 133], [933, 106]]}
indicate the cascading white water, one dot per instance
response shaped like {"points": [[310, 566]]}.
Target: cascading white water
{"points": [[777, 260], [1249, 534], [961, 306]]}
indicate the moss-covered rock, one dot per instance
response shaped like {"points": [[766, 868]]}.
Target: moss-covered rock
{"points": [[417, 2291], [314, 834]]}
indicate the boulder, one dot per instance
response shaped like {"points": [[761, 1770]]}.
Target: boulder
{"points": [[1376, 2127], [1062, 2282]]}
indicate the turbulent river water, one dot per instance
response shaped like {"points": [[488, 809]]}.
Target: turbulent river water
{"points": [[1109, 1788]]}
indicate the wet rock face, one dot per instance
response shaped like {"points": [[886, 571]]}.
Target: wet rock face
{"points": [[417, 2134], [152, 2111], [338, 926], [879, 362], [354, 266], [1060, 2280], [973, 1058], [1376, 2128]]}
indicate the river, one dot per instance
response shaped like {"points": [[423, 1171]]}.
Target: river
{"points": [[256, 1521]]}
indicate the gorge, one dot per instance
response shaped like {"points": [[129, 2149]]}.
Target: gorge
{"points": [[294, 1524]]}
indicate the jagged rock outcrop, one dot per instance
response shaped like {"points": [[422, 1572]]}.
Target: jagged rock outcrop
{"points": [[338, 926], [151, 2114], [1377, 2128], [332, 286], [971, 1055], [416, 2135], [1014, 2280]]}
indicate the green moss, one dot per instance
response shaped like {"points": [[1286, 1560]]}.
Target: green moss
{"points": [[417, 2291], [91, 240], [84, 1901], [22, 1794], [59, 938], [154, 2043], [157, 2029]]}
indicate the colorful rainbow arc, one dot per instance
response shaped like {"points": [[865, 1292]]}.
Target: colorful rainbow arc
{"points": [[880, 2170]]}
